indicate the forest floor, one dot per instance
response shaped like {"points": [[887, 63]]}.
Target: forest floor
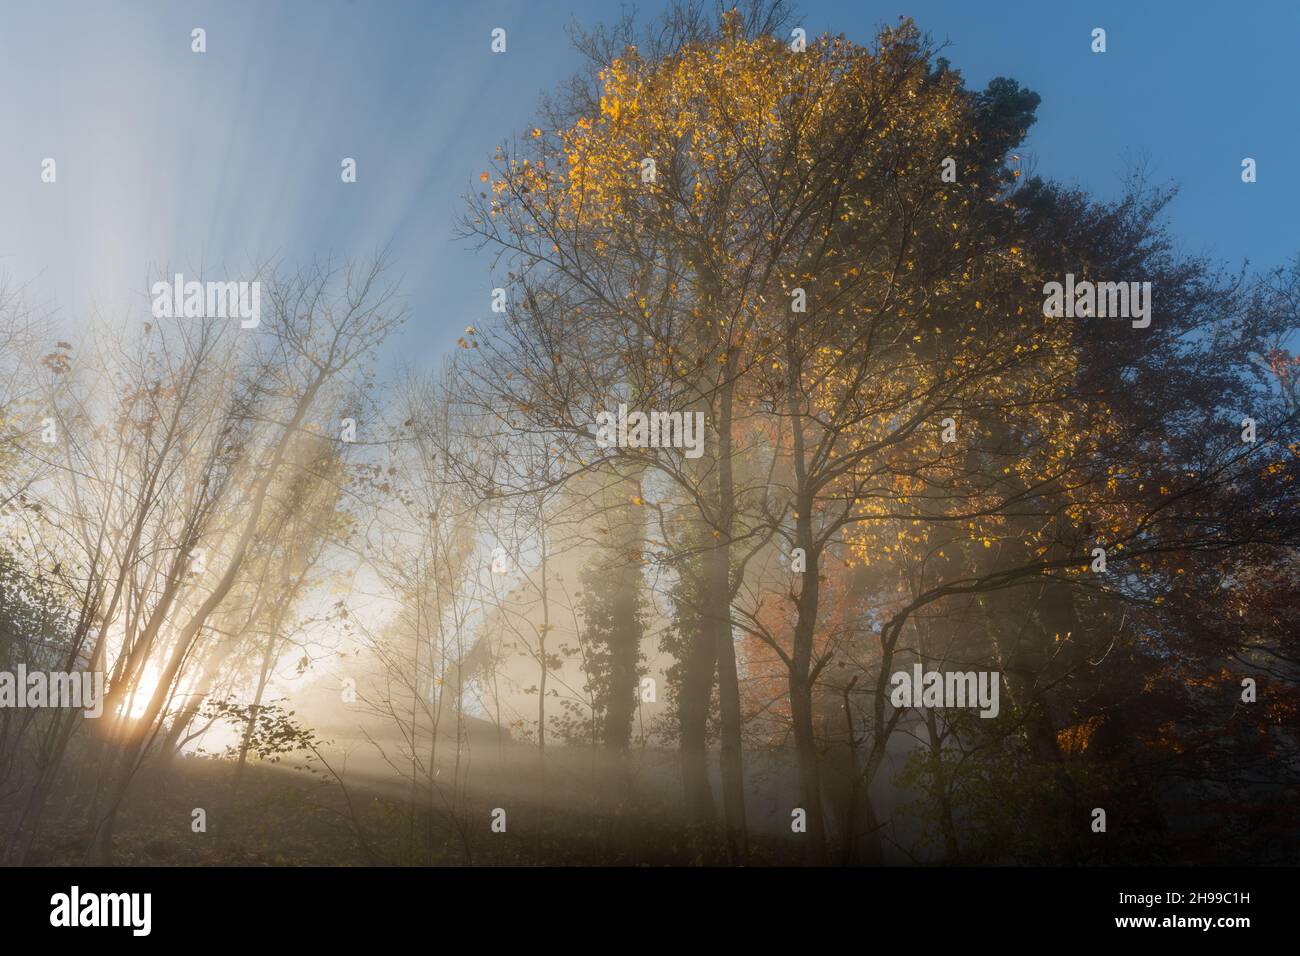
{"points": [[286, 817]]}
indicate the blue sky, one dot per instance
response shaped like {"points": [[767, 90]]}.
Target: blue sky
{"points": [[168, 159]]}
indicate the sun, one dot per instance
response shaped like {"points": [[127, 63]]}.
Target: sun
{"points": [[138, 702]]}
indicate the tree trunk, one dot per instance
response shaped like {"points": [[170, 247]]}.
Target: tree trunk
{"points": [[693, 716], [720, 591]]}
